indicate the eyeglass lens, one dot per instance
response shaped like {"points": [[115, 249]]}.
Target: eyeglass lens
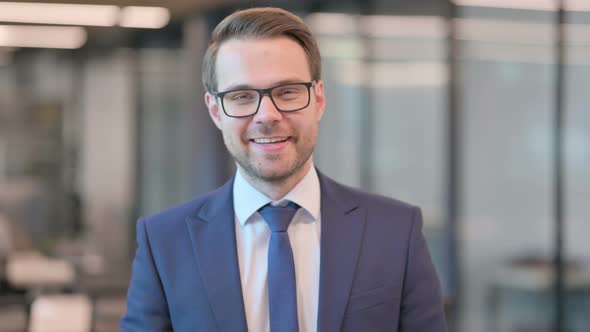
{"points": [[290, 97]]}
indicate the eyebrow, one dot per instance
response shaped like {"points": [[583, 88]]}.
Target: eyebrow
{"points": [[247, 86]]}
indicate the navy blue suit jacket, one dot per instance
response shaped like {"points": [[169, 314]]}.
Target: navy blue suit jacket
{"points": [[375, 270]]}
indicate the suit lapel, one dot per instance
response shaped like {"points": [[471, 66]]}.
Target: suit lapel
{"points": [[342, 230], [213, 238]]}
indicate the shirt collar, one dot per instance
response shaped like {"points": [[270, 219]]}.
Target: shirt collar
{"points": [[247, 199]]}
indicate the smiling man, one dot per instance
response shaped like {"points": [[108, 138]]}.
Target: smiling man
{"points": [[271, 139], [280, 246]]}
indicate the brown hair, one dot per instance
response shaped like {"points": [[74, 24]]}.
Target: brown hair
{"points": [[257, 23]]}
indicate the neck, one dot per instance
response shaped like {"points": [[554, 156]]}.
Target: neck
{"points": [[279, 188]]}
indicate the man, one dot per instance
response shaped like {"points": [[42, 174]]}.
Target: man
{"points": [[280, 247]]}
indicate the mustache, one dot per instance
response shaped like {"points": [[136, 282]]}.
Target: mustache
{"points": [[264, 129]]}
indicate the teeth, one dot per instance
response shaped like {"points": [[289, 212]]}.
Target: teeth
{"points": [[269, 140]]}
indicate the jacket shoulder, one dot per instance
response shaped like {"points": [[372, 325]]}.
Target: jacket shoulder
{"points": [[380, 209], [176, 215], [368, 199], [378, 200]]}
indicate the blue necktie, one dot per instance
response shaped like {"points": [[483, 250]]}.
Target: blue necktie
{"points": [[282, 294]]}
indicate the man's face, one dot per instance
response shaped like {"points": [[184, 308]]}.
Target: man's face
{"points": [[261, 64]]}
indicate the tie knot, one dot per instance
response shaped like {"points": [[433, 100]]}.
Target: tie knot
{"points": [[278, 218]]}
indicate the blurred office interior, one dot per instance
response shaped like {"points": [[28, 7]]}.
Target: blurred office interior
{"points": [[478, 111]]}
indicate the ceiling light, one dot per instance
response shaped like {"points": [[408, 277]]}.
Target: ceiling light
{"points": [[144, 17], [404, 26], [547, 5], [88, 15], [577, 5], [42, 36], [54, 13], [333, 23], [531, 33], [543, 5]]}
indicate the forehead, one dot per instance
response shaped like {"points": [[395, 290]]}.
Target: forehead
{"points": [[260, 63]]}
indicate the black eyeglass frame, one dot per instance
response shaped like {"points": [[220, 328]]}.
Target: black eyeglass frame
{"points": [[262, 93]]}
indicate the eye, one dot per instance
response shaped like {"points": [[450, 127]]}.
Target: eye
{"points": [[287, 92], [243, 96]]}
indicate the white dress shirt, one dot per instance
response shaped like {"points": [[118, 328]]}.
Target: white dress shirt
{"points": [[253, 236]]}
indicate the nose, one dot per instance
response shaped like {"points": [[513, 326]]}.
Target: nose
{"points": [[267, 111]]}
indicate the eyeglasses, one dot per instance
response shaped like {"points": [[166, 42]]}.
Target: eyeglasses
{"points": [[241, 103]]}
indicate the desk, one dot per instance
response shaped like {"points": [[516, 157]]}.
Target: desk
{"points": [[521, 298]]}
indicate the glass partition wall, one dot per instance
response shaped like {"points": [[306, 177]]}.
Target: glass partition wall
{"points": [[576, 168], [506, 220], [386, 129]]}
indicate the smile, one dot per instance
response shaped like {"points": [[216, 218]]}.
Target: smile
{"points": [[270, 140]]}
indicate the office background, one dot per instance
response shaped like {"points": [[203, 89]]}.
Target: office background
{"points": [[476, 110]]}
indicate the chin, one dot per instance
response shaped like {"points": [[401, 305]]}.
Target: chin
{"points": [[272, 171], [271, 168], [274, 175]]}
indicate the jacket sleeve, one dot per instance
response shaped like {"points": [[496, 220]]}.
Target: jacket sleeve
{"points": [[147, 309], [422, 306]]}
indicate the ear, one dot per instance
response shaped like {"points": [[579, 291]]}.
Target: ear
{"points": [[320, 99], [213, 107]]}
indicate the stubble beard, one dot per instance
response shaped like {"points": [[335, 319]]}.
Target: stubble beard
{"points": [[254, 167], [256, 170]]}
